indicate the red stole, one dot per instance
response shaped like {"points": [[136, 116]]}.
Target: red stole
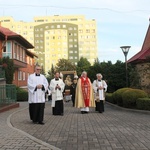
{"points": [[85, 86]]}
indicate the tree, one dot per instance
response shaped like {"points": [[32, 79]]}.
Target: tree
{"points": [[51, 73], [8, 66], [43, 71], [83, 65], [65, 65]]}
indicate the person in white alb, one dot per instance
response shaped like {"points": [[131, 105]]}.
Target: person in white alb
{"points": [[57, 87], [37, 86], [100, 87]]}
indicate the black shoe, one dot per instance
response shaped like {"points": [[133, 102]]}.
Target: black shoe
{"points": [[86, 112], [82, 112], [34, 122], [42, 123]]}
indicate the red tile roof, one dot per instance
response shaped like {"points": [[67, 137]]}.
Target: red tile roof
{"points": [[145, 51], [7, 32], [10, 35], [140, 56]]}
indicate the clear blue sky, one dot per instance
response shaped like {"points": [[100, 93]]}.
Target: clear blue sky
{"points": [[119, 22]]}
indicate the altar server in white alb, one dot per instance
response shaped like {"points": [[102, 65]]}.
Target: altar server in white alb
{"points": [[57, 87], [37, 86], [100, 87]]}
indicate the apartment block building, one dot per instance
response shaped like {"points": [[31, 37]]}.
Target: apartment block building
{"points": [[56, 37]]}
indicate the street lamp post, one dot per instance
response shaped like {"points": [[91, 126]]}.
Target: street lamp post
{"points": [[125, 50]]}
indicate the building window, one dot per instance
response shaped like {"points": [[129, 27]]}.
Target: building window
{"points": [[93, 31], [7, 49], [23, 55], [70, 45], [14, 76], [87, 31], [58, 26], [64, 26], [70, 40], [80, 31], [70, 57], [30, 59], [70, 34], [19, 75], [24, 76], [70, 28]]}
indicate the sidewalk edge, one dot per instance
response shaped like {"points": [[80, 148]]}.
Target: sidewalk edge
{"points": [[28, 135]]}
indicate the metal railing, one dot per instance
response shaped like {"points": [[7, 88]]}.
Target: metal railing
{"points": [[2, 74], [7, 94]]}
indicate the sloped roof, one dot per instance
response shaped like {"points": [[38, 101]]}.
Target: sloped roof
{"points": [[10, 35], [145, 50], [140, 56]]}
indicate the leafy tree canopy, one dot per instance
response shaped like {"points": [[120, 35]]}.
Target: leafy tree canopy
{"points": [[83, 65], [65, 65]]}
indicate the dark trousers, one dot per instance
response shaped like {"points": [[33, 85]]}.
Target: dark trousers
{"points": [[59, 108], [31, 106], [73, 100], [99, 106], [36, 111]]}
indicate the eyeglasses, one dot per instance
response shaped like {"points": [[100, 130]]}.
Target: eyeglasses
{"points": [[38, 69]]}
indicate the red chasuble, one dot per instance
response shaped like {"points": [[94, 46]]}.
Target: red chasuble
{"points": [[85, 85]]}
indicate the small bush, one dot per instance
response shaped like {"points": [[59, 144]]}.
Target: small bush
{"points": [[22, 95], [130, 96], [117, 96], [143, 103], [109, 97]]}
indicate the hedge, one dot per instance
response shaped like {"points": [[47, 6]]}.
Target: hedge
{"points": [[109, 97], [143, 103], [22, 95], [117, 96], [130, 96]]}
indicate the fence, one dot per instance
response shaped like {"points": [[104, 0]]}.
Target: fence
{"points": [[2, 74], [7, 94]]}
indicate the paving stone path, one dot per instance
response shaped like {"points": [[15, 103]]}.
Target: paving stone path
{"points": [[115, 129]]}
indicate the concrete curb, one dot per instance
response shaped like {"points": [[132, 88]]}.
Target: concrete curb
{"points": [[127, 109], [28, 135]]}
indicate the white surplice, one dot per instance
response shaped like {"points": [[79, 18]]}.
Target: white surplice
{"points": [[36, 96], [96, 85], [56, 93]]}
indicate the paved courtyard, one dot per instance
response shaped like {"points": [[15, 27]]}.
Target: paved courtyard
{"points": [[115, 129]]}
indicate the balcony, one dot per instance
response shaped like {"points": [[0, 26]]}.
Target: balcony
{"points": [[19, 64]]}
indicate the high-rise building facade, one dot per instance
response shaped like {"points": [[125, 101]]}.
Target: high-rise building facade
{"points": [[56, 37]]}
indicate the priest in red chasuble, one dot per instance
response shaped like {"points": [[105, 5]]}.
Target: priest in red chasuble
{"points": [[84, 94]]}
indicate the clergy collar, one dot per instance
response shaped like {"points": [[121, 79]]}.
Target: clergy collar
{"points": [[56, 79], [99, 80], [37, 74]]}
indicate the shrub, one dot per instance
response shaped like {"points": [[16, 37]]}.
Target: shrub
{"points": [[22, 94], [109, 97], [143, 103], [117, 96], [130, 96]]}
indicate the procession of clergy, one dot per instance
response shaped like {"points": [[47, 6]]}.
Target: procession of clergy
{"points": [[84, 94]]}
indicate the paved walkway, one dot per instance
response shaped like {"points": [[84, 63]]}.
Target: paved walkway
{"points": [[115, 129]]}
